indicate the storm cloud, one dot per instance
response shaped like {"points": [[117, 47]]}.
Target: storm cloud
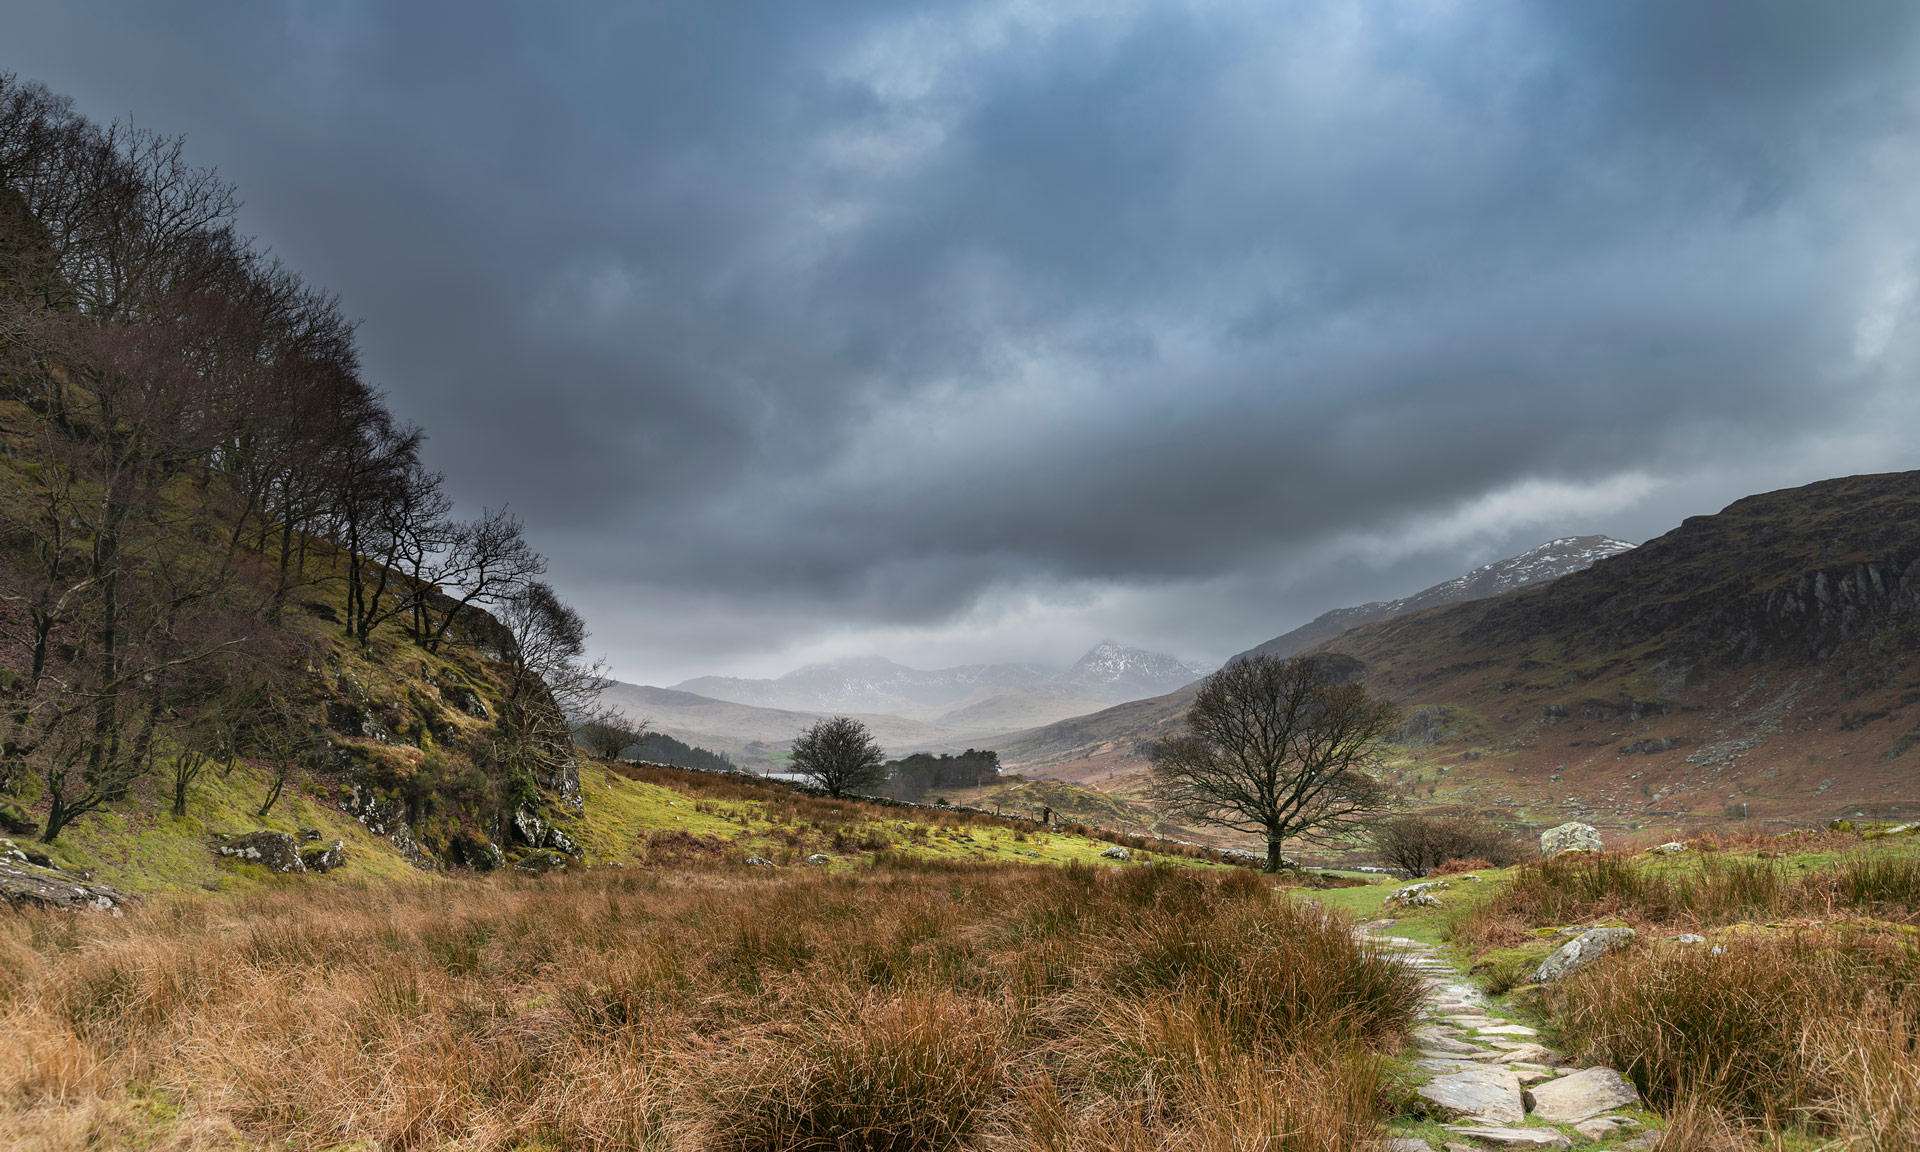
{"points": [[984, 330]]}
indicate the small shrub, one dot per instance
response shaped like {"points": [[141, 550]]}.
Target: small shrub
{"points": [[1419, 844]]}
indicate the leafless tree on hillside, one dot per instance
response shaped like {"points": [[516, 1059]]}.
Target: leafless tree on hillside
{"points": [[1279, 748]]}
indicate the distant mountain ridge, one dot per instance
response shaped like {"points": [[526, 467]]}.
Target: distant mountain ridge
{"points": [[1114, 739], [1108, 673], [1549, 561]]}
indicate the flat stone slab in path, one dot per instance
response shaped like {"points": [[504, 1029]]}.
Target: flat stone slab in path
{"points": [[1484, 1094], [1501, 1137], [1579, 1095]]}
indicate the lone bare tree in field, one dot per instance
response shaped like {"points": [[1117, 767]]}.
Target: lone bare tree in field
{"points": [[1277, 747], [839, 754]]}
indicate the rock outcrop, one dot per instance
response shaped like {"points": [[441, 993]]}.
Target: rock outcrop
{"points": [[1572, 836], [29, 880], [274, 851]]}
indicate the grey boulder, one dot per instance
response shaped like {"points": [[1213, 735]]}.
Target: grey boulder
{"points": [[325, 858], [1580, 1095], [1581, 951], [1572, 836], [274, 851]]}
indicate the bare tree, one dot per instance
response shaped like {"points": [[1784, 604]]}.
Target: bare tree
{"points": [[487, 561], [1279, 748], [840, 755], [607, 732]]}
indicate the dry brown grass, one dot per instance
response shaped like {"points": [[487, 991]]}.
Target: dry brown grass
{"points": [[938, 1007]]}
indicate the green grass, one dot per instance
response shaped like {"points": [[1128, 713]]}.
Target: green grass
{"points": [[141, 848], [742, 820]]}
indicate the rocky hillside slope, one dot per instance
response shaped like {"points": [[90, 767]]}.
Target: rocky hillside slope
{"points": [[1112, 742], [1550, 561], [1758, 664]]}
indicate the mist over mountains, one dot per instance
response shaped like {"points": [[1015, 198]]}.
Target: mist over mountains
{"points": [[1107, 674]]}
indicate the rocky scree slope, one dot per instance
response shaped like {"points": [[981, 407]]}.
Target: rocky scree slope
{"points": [[1760, 663]]}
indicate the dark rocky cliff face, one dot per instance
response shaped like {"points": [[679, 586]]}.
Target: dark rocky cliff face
{"points": [[1829, 571]]}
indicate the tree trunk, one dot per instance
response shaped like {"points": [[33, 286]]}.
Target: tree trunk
{"points": [[1273, 855]]}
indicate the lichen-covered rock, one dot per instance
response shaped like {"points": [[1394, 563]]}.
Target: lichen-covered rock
{"points": [[483, 857], [1423, 895], [15, 820], [1116, 853], [544, 860], [25, 885], [1572, 836], [563, 780], [325, 858], [562, 842], [528, 828], [758, 862], [465, 699], [274, 851], [819, 858], [1670, 848], [1581, 951]]}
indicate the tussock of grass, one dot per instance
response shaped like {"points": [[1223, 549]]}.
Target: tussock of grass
{"points": [[952, 1005], [1730, 1029]]}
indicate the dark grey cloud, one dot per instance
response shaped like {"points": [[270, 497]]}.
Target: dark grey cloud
{"points": [[986, 329]]}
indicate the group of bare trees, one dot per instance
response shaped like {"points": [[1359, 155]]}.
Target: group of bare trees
{"points": [[187, 443]]}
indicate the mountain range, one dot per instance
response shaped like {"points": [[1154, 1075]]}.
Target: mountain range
{"points": [[1114, 741], [967, 696], [1753, 665]]}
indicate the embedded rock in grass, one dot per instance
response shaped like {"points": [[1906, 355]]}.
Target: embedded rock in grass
{"points": [[31, 886], [1490, 1095], [1579, 1095], [1116, 853], [1572, 836], [1670, 848], [275, 851], [1581, 951], [1417, 895], [758, 862], [545, 860], [1600, 1127], [561, 842], [1686, 938], [325, 859], [819, 858], [309, 835], [1516, 1137], [1408, 1144], [14, 819]]}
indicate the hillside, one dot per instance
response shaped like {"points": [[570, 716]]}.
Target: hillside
{"points": [[1754, 664], [1550, 561], [753, 735], [1110, 743]]}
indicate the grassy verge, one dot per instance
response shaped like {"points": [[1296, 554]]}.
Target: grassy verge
{"points": [[923, 1003], [1771, 994]]}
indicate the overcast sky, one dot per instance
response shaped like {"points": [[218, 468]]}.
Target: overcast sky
{"points": [[981, 331]]}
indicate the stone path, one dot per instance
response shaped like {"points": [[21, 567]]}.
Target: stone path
{"points": [[1491, 1080]]}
